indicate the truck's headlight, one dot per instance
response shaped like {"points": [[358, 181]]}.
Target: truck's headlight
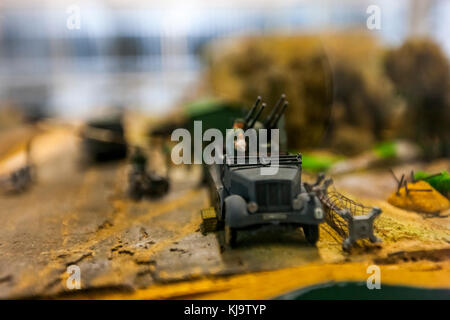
{"points": [[252, 207], [318, 213], [297, 203]]}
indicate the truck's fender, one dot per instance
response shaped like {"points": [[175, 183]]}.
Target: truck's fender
{"points": [[217, 201], [235, 211]]}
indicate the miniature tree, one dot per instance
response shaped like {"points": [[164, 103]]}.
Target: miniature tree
{"points": [[420, 72]]}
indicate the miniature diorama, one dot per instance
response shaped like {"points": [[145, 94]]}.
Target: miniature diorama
{"points": [[252, 150]]}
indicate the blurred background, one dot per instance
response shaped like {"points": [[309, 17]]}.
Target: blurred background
{"points": [[350, 85]]}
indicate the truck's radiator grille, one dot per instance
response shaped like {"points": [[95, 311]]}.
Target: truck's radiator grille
{"points": [[273, 196]]}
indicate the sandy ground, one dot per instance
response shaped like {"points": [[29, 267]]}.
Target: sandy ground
{"points": [[153, 249]]}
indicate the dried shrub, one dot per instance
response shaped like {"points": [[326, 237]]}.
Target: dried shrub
{"points": [[420, 71], [327, 82]]}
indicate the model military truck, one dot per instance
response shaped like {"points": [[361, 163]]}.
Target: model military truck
{"points": [[243, 198]]}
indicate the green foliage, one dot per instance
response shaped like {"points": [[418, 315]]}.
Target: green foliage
{"points": [[386, 150], [318, 163], [214, 113], [440, 182]]}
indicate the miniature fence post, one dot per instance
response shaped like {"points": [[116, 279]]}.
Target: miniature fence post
{"points": [[360, 227], [351, 220]]}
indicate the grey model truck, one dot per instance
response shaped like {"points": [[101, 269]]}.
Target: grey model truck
{"points": [[242, 197]]}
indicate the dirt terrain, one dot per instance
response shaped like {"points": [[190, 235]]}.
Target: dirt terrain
{"points": [[80, 215]]}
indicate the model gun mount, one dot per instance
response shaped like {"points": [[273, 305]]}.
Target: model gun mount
{"points": [[272, 120], [278, 110], [22, 178], [254, 113], [351, 220], [143, 183]]}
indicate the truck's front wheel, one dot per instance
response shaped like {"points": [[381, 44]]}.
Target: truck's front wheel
{"points": [[230, 236], [311, 233]]}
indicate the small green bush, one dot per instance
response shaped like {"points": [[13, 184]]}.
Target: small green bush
{"points": [[441, 182], [316, 163], [386, 150]]}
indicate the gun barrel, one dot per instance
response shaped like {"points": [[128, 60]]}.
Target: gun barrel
{"points": [[279, 103], [257, 116], [252, 110], [274, 123]]}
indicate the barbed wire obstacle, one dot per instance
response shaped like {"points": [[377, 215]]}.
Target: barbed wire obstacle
{"points": [[351, 220]]}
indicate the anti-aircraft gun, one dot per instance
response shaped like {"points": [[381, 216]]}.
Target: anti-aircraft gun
{"points": [[254, 113], [272, 120], [250, 121]]}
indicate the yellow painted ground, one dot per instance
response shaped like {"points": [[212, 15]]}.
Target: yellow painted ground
{"points": [[266, 285]]}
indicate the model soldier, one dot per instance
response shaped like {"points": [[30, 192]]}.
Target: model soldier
{"points": [[239, 126], [237, 132]]}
